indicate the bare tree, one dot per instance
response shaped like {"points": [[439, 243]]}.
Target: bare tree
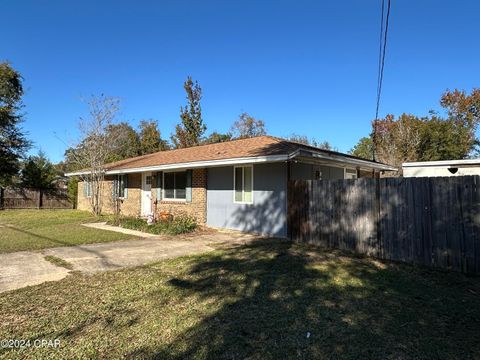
{"points": [[96, 146]]}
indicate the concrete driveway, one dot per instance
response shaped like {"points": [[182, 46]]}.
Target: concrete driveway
{"points": [[26, 268]]}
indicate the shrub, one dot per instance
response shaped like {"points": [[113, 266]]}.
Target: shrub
{"points": [[178, 225]]}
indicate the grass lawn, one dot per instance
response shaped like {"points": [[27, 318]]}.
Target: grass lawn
{"points": [[265, 300], [39, 229]]}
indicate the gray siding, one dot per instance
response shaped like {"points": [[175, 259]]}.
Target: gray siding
{"points": [[267, 214], [301, 171]]}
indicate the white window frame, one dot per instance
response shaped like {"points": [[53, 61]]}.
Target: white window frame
{"points": [[163, 187], [88, 191], [117, 190], [243, 185], [353, 175]]}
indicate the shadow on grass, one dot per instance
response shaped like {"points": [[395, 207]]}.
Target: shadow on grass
{"points": [[273, 299]]}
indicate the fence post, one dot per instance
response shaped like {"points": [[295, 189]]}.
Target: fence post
{"points": [[1, 198]]}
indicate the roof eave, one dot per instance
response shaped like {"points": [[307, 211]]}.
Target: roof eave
{"points": [[191, 165], [365, 164]]}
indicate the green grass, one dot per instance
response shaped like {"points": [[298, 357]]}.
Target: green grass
{"points": [[255, 301], [39, 229], [58, 262]]}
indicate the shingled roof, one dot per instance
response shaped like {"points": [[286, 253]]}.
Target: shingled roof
{"points": [[261, 146]]}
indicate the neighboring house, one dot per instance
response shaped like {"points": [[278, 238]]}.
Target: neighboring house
{"points": [[239, 184], [441, 168]]}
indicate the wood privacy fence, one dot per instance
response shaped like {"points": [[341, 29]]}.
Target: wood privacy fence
{"points": [[428, 221], [16, 198]]}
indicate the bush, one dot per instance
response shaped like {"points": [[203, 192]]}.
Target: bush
{"points": [[178, 225]]}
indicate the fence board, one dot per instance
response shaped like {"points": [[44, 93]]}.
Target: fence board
{"points": [[428, 221], [15, 198]]}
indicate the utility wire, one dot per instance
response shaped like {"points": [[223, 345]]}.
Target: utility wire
{"points": [[380, 42], [381, 65]]}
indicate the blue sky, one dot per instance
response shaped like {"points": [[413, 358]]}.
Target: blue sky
{"points": [[306, 67]]}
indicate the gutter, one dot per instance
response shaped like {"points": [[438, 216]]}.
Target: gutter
{"points": [[346, 160], [192, 165], [248, 160]]}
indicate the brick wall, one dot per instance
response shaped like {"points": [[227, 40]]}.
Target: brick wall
{"points": [[196, 208], [128, 207]]}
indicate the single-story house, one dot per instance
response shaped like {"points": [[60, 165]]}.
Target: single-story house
{"points": [[441, 168], [239, 184]]}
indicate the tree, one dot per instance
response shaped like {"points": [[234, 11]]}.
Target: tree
{"points": [[363, 149], [216, 137], [125, 141], [191, 129], [464, 111], [430, 138], [247, 126], [444, 140], [325, 145], [38, 172], [397, 141], [12, 141], [303, 139], [96, 146], [150, 138]]}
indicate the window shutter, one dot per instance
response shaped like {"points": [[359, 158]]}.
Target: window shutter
{"points": [[188, 189], [85, 190], [159, 185], [125, 182]]}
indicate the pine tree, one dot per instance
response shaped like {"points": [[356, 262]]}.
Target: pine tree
{"points": [[191, 129]]}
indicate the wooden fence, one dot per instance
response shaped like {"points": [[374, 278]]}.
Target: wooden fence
{"points": [[15, 198], [428, 221]]}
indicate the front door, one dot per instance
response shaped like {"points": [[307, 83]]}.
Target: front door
{"points": [[146, 194]]}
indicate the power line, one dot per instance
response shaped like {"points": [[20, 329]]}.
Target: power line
{"points": [[380, 41], [383, 58], [381, 64]]}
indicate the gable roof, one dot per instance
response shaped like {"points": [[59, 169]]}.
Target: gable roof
{"points": [[256, 149]]}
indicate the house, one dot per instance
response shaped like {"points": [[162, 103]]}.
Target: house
{"points": [[441, 168], [239, 184]]}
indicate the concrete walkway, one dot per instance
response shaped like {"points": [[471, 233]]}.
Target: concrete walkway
{"points": [[26, 268]]}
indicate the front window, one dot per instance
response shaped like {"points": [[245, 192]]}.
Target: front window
{"points": [[88, 188], [243, 184], [175, 185], [120, 184]]}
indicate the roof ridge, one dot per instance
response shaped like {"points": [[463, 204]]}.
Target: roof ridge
{"points": [[115, 163]]}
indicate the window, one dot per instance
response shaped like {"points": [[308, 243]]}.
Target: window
{"points": [[175, 185], [350, 173], [148, 180], [120, 186], [243, 184], [87, 188]]}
